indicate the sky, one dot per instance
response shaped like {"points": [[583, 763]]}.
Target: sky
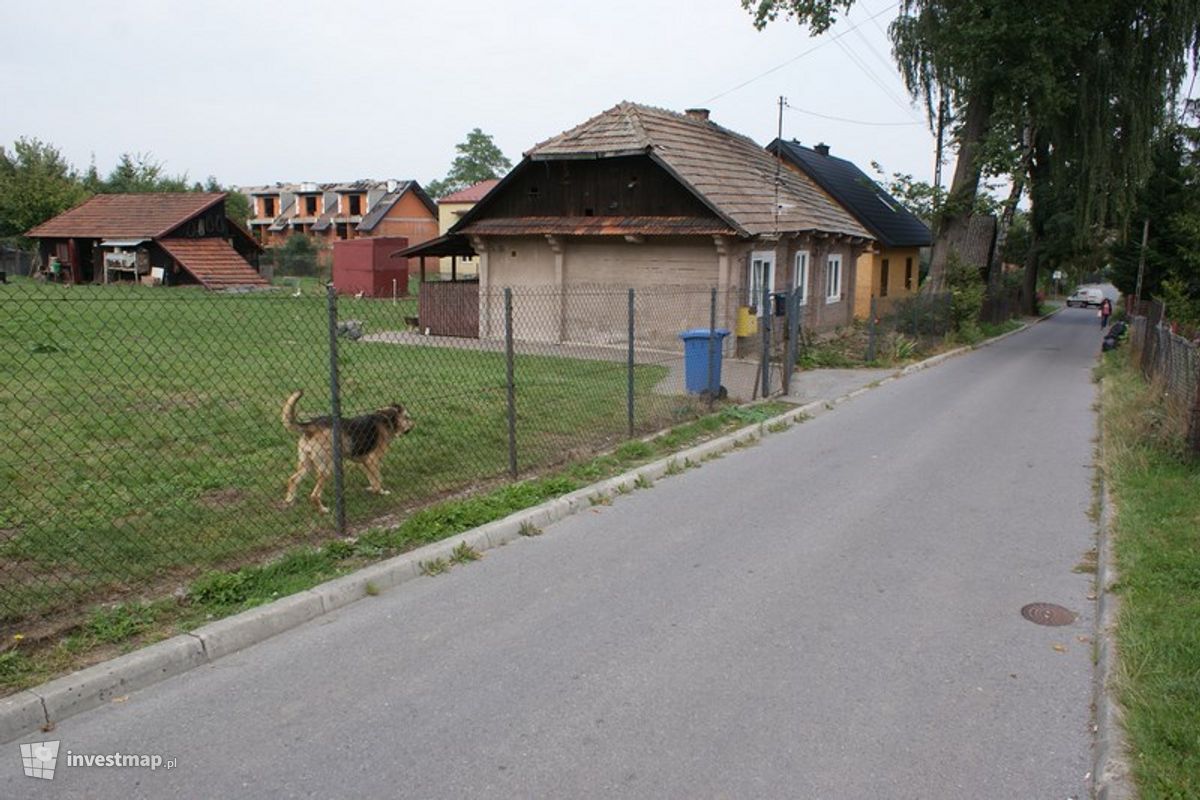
{"points": [[255, 93]]}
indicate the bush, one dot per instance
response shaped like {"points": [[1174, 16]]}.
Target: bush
{"points": [[298, 256], [967, 291]]}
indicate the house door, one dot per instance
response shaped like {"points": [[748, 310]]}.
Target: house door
{"points": [[762, 273]]}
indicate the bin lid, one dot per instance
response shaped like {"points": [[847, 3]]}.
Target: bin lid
{"points": [[702, 333]]}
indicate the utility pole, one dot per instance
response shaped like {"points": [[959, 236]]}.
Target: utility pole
{"points": [[779, 160], [1137, 295]]}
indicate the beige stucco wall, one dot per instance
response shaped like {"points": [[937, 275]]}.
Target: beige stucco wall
{"points": [[672, 279]]}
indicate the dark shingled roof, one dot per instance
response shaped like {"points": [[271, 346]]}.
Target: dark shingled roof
{"points": [[385, 203], [888, 221]]}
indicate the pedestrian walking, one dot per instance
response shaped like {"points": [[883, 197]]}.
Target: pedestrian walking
{"points": [[1105, 312]]}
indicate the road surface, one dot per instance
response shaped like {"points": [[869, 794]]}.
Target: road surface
{"points": [[833, 613]]}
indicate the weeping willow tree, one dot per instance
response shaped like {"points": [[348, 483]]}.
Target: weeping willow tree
{"points": [[1065, 93], [1094, 141]]}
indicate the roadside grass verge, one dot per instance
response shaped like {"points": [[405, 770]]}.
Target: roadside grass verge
{"points": [[1155, 490], [111, 630]]}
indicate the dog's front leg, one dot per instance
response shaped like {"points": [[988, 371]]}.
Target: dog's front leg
{"points": [[374, 477]]}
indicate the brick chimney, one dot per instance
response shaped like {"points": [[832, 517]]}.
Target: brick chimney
{"points": [[698, 113], [822, 149]]}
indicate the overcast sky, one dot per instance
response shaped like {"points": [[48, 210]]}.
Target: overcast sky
{"points": [[283, 91]]}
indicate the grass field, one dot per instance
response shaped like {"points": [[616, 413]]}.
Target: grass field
{"points": [[1156, 491], [140, 439]]}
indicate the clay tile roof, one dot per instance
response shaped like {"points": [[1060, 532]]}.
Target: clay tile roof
{"points": [[732, 174], [213, 262], [127, 215], [472, 194]]}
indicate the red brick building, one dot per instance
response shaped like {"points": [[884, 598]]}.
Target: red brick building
{"points": [[332, 212]]}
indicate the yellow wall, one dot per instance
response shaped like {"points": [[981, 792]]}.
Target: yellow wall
{"points": [[448, 214], [869, 283]]}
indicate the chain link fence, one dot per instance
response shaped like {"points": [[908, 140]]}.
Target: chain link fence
{"points": [[1172, 364], [143, 437]]}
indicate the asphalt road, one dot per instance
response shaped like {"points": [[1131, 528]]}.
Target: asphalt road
{"points": [[833, 613]]}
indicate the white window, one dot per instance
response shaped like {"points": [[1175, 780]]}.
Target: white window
{"points": [[800, 276], [762, 273], [833, 279]]}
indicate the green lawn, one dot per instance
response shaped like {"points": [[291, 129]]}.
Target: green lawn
{"points": [[140, 439], [1156, 491]]}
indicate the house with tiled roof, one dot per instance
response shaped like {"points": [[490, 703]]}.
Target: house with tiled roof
{"points": [[180, 238], [451, 209], [890, 270], [643, 197], [332, 212]]}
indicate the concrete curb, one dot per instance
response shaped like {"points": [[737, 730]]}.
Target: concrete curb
{"points": [[42, 706], [1111, 778]]}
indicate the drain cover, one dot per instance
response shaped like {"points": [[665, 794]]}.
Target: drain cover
{"points": [[1047, 614]]}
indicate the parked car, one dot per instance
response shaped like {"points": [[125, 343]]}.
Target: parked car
{"points": [[1085, 297]]}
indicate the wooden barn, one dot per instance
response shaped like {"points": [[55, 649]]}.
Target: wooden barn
{"points": [[173, 238], [647, 198]]}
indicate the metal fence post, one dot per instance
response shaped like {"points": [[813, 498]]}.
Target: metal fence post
{"points": [[871, 333], [712, 349], [335, 412], [765, 310], [793, 334], [512, 391], [629, 371]]}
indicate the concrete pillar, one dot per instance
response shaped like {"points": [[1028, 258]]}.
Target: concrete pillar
{"points": [[724, 314], [485, 287]]}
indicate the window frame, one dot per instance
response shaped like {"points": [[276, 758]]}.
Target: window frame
{"points": [[830, 270], [800, 276], [755, 297]]}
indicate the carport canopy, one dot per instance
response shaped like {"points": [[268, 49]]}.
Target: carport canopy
{"points": [[450, 245]]}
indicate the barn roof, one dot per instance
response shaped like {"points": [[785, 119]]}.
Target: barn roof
{"points": [[729, 172], [110, 216], [213, 262]]}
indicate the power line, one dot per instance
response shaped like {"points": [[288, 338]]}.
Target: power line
{"points": [[793, 60], [862, 66], [852, 121]]}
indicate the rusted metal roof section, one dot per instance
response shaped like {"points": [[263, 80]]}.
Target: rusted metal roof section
{"points": [[213, 262], [113, 216], [600, 226], [450, 244], [1048, 614], [729, 172]]}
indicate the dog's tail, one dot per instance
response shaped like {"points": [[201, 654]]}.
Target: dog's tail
{"points": [[289, 412]]}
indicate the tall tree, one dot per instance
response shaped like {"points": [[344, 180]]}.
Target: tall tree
{"points": [[478, 159], [1088, 78], [36, 183], [140, 172]]}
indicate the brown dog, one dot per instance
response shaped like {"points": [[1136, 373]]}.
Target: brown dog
{"points": [[365, 439]]}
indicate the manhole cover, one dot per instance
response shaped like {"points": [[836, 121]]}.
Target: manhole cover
{"points": [[1047, 614]]}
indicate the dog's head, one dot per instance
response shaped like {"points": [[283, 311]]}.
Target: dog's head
{"points": [[398, 419]]}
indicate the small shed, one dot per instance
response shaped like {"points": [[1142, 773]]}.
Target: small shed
{"points": [[366, 266]]}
